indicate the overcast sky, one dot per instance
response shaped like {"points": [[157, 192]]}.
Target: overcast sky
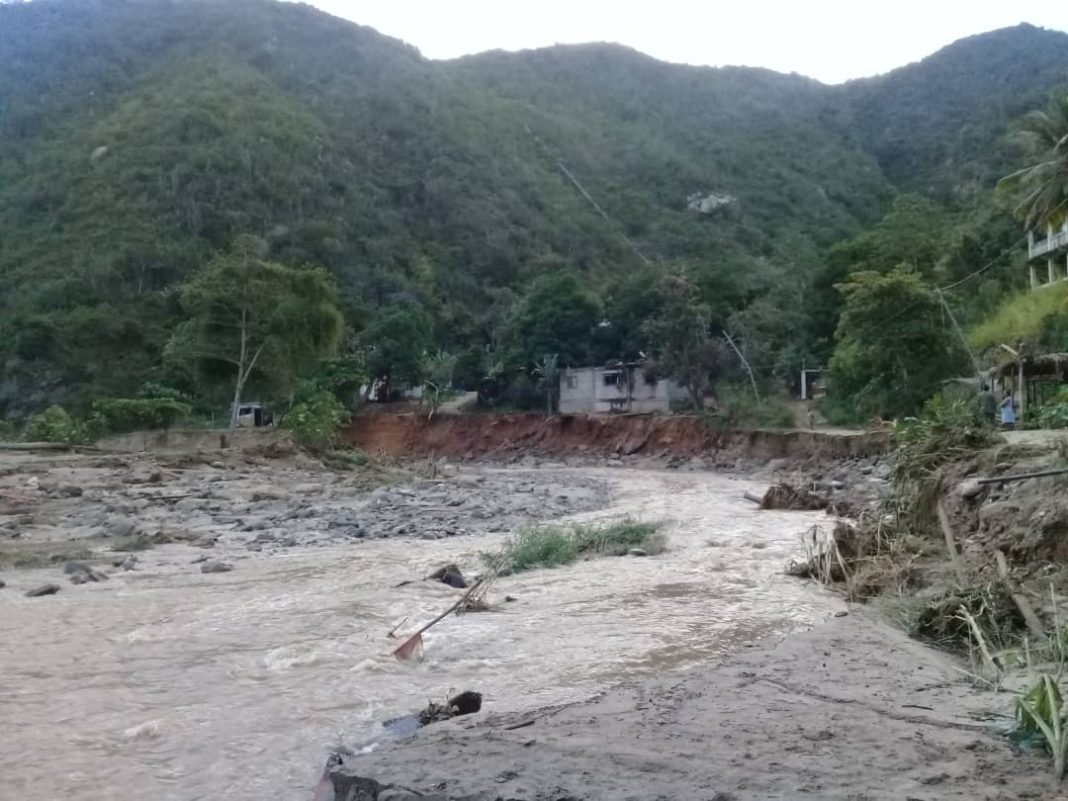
{"points": [[832, 40]]}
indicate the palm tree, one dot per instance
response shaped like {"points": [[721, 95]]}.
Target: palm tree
{"points": [[1042, 187], [547, 368]]}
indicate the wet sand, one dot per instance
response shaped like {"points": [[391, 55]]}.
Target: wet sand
{"points": [[850, 710]]}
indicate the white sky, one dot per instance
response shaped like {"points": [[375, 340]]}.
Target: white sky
{"points": [[832, 40]]}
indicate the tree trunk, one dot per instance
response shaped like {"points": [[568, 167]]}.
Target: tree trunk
{"points": [[238, 386]]}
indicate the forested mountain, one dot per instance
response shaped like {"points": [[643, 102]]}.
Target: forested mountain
{"points": [[138, 138]]}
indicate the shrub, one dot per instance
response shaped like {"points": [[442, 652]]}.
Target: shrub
{"points": [[737, 408], [315, 421], [1054, 413], [55, 424], [154, 390], [8, 431], [133, 414], [552, 546]]}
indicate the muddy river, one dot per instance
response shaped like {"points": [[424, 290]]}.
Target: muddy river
{"points": [[178, 685]]}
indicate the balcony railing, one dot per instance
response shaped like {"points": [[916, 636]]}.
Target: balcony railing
{"points": [[1053, 242]]}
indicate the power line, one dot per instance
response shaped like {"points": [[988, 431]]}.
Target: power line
{"points": [[997, 258]]}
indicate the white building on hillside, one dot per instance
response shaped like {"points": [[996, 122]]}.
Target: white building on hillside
{"points": [[1049, 252], [622, 388]]}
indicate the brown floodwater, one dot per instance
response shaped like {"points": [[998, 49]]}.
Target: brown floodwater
{"points": [[166, 683]]}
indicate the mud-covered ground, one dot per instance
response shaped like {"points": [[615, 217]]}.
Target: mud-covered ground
{"points": [[851, 710], [57, 506]]}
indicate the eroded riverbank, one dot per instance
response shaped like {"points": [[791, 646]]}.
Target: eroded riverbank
{"points": [[188, 685]]}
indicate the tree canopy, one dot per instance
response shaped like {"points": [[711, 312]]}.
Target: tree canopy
{"points": [[893, 348], [252, 322], [451, 201]]}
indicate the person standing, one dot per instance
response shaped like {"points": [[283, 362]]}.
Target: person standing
{"points": [[988, 406], [1008, 412]]}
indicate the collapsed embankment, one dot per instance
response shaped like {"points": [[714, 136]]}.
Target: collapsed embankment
{"points": [[482, 436]]}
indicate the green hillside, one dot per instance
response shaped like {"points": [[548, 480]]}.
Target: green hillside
{"points": [[140, 138]]}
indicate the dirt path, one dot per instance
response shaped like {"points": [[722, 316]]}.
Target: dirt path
{"points": [[850, 710]]}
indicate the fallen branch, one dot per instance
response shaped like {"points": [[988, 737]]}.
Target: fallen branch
{"points": [[1022, 476], [1034, 624], [980, 640], [752, 496], [34, 446], [951, 542], [410, 647]]}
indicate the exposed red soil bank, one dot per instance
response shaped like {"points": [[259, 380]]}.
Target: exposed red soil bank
{"points": [[474, 436]]}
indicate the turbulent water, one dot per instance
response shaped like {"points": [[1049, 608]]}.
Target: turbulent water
{"points": [[169, 685]]}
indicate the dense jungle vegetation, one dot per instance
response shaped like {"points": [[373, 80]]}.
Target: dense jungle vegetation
{"points": [[480, 223]]}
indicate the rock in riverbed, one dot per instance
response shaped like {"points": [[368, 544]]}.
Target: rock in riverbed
{"points": [[44, 589], [216, 566], [81, 573]]}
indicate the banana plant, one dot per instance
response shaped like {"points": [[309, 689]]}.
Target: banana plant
{"points": [[1041, 709], [547, 368]]}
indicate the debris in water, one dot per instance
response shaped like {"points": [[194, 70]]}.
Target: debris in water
{"points": [[787, 496], [466, 703], [412, 648], [449, 574]]}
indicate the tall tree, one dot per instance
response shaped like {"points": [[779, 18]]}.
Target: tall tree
{"points": [[893, 348], [251, 318], [680, 338], [395, 346], [557, 314], [1041, 188]]}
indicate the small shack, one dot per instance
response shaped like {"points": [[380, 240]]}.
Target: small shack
{"points": [[1033, 379], [618, 389]]}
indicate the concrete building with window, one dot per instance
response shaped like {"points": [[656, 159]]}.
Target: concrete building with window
{"points": [[1047, 255], [618, 389]]}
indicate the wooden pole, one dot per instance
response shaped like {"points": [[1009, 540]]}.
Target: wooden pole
{"points": [[951, 543], [745, 364], [1022, 476]]}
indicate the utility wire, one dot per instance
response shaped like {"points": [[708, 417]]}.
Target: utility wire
{"points": [[589, 198]]}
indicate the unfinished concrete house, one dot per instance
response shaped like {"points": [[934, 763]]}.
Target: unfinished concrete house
{"points": [[618, 389], [1048, 255]]}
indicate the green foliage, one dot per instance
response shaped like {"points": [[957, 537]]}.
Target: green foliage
{"points": [[395, 345], [617, 538], [680, 339], [8, 431], [55, 424], [438, 372], [1041, 715], [1041, 188], [134, 414], [538, 547], [314, 423], [737, 408], [556, 315], [553, 546], [138, 141], [946, 431], [1054, 412], [892, 346], [254, 322], [1039, 317], [547, 370]]}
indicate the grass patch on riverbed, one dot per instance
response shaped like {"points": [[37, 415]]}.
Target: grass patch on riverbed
{"points": [[552, 546], [26, 555]]}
